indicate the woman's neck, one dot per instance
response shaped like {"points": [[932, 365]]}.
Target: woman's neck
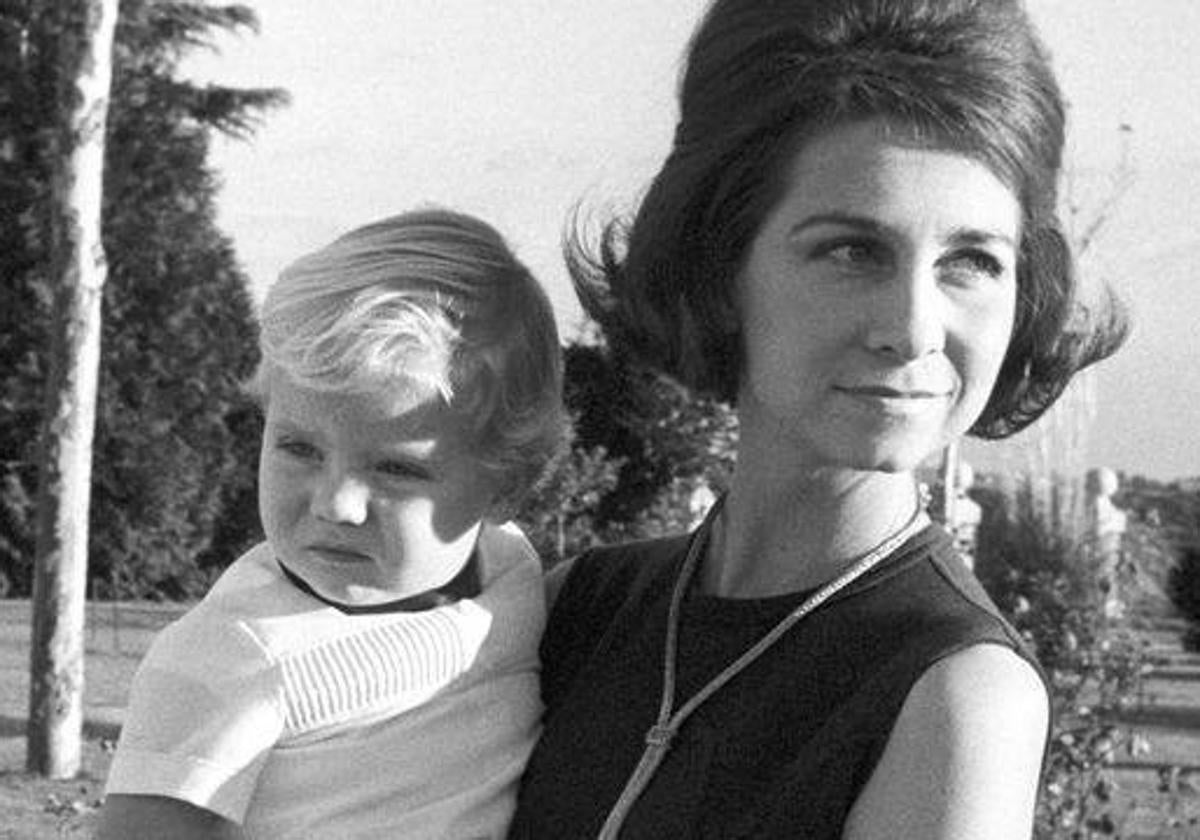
{"points": [[782, 533]]}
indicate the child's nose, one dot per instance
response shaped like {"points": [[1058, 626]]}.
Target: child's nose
{"points": [[341, 498]]}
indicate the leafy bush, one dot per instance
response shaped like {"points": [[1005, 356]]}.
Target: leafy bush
{"points": [[659, 432], [1046, 581], [643, 452], [559, 516]]}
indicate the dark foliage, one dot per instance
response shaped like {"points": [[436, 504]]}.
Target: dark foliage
{"points": [[661, 433], [640, 447], [559, 516], [1185, 592], [171, 461], [1172, 511]]}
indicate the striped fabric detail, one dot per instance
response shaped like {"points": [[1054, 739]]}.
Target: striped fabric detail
{"points": [[402, 662]]}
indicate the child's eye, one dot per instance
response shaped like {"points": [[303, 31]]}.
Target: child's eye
{"points": [[299, 449], [403, 469]]}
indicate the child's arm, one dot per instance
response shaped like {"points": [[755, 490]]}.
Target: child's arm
{"points": [[201, 720], [129, 817]]}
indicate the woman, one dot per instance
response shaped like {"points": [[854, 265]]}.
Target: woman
{"points": [[855, 239]]}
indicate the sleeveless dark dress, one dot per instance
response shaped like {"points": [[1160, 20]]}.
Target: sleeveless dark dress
{"points": [[780, 752]]}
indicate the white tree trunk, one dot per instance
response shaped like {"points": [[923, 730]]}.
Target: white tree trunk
{"points": [[85, 38]]}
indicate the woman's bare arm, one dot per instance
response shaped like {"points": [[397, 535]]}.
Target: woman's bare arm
{"points": [[964, 758], [129, 817]]}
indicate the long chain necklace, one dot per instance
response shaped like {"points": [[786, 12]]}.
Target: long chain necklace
{"points": [[660, 735]]}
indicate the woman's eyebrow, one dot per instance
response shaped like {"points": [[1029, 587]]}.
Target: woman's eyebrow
{"points": [[958, 236], [865, 223], [980, 236]]}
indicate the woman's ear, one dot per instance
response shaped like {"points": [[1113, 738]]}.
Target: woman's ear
{"points": [[728, 313]]}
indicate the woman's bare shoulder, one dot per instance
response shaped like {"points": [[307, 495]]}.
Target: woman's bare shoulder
{"points": [[964, 758], [981, 683]]}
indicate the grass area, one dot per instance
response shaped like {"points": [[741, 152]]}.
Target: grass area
{"points": [[33, 808]]}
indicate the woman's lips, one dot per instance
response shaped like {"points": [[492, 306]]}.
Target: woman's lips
{"points": [[893, 401], [888, 392]]}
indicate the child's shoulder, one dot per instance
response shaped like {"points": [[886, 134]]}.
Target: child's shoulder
{"points": [[251, 573], [505, 553], [247, 608], [513, 600], [251, 588]]}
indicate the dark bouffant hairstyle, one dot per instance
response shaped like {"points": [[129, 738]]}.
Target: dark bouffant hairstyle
{"points": [[764, 76]]}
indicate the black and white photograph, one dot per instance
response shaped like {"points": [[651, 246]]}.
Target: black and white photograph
{"points": [[612, 420]]}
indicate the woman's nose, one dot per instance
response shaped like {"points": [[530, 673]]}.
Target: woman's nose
{"points": [[341, 498], [908, 315]]}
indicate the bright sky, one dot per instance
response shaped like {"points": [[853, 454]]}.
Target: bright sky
{"points": [[518, 109]]}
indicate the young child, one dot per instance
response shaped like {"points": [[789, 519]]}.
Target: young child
{"points": [[371, 669]]}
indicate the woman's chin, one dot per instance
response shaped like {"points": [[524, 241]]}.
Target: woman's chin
{"points": [[891, 456]]}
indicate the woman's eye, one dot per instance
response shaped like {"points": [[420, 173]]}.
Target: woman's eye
{"points": [[852, 254], [973, 265]]}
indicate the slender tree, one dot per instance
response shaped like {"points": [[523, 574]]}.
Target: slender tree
{"points": [[85, 38]]}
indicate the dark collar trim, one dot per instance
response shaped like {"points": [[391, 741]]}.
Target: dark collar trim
{"points": [[466, 584]]}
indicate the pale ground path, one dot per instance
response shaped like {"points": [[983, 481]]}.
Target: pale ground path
{"points": [[1168, 721]]}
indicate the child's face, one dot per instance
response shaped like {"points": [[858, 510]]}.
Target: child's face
{"points": [[368, 498]]}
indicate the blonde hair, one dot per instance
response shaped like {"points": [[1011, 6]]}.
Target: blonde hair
{"points": [[429, 302]]}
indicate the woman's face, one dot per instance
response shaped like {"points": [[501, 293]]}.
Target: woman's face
{"points": [[876, 301]]}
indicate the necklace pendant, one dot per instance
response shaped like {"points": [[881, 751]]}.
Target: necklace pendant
{"points": [[660, 736]]}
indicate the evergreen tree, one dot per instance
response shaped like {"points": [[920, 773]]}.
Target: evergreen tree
{"points": [[172, 439]]}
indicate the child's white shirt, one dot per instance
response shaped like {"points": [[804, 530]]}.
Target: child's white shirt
{"points": [[296, 720]]}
